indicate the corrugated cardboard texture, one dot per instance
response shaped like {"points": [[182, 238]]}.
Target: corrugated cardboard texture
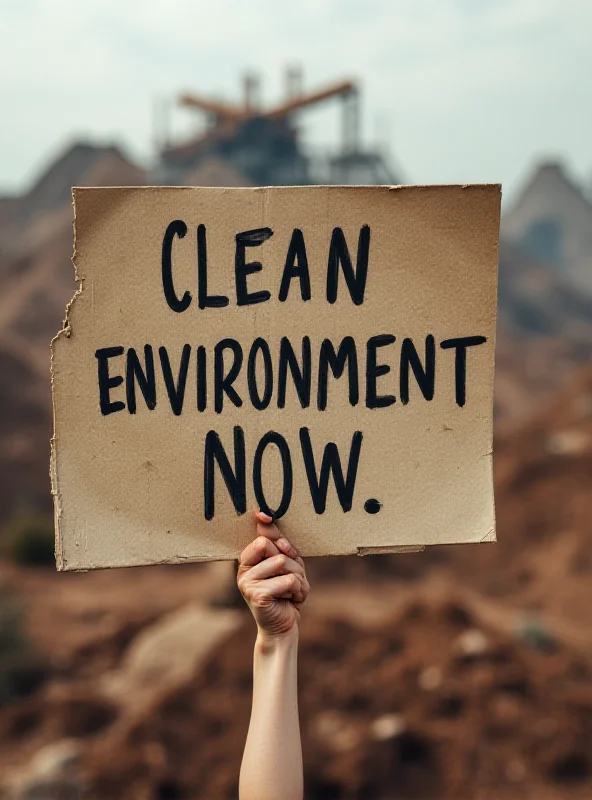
{"points": [[129, 487]]}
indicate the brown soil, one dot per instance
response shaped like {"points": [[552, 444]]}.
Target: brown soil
{"points": [[461, 672], [411, 686]]}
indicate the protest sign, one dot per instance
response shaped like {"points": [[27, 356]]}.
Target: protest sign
{"points": [[323, 353]]}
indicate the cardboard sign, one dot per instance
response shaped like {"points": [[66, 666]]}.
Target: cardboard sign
{"points": [[323, 353]]}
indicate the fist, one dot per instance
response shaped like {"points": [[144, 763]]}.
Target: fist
{"points": [[272, 579]]}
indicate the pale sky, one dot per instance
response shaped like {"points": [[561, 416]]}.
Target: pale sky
{"points": [[461, 90]]}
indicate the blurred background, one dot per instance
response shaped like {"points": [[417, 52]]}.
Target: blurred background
{"points": [[461, 672]]}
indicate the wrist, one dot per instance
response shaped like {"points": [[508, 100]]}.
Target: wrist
{"points": [[269, 642]]}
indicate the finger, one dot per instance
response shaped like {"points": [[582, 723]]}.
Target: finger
{"points": [[269, 530], [266, 526], [304, 589], [275, 588], [259, 549], [295, 591], [286, 546], [303, 594], [277, 565]]}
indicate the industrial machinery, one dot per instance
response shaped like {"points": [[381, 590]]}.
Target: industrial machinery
{"points": [[247, 144]]}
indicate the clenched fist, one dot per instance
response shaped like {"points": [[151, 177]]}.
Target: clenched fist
{"points": [[272, 579]]}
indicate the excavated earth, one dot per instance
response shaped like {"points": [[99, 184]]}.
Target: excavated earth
{"points": [[456, 673]]}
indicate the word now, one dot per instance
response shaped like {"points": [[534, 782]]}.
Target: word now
{"points": [[296, 267], [266, 383], [235, 477]]}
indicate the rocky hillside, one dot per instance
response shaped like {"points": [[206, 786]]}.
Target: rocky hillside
{"points": [[37, 280], [544, 333]]}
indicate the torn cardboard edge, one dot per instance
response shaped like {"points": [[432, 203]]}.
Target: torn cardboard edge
{"points": [[64, 331]]}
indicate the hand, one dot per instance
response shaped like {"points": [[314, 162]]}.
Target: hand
{"points": [[272, 579]]}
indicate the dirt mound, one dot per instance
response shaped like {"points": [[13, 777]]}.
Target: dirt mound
{"points": [[80, 164], [409, 686], [544, 513], [544, 522], [37, 283], [544, 333], [25, 427], [435, 702], [544, 509]]}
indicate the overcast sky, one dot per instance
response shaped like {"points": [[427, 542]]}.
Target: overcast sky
{"points": [[462, 90]]}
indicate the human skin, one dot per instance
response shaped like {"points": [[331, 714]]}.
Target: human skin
{"points": [[272, 579]]}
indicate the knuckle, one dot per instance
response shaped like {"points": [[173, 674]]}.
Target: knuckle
{"points": [[281, 561]]}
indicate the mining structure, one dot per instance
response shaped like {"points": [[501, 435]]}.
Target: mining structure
{"points": [[248, 145]]}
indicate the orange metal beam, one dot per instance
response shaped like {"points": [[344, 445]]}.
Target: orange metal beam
{"points": [[220, 110], [230, 113], [311, 99]]}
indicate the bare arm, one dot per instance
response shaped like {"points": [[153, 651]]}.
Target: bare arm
{"points": [[273, 582]]}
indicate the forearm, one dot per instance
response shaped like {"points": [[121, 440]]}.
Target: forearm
{"points": [[272, 761]]}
